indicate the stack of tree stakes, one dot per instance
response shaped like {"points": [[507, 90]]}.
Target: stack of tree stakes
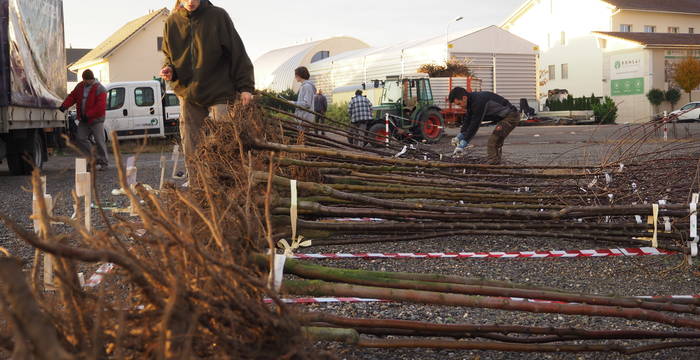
{"points": [[195, 284]]}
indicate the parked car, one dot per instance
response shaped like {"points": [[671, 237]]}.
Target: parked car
{"points": [[141, 109], [689, 112]]}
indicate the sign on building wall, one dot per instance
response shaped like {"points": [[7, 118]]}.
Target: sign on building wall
{"points": [[627, 74], [628, 87]]}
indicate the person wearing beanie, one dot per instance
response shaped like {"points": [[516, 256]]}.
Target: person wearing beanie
{"points": [[90, 99], [207, 66]]}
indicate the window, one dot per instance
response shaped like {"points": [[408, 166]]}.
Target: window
{"points": [[159, 43], [144, 96], [171, 100], [563, 38], [552, 72], [673, 29], [691, 30], [564, 71], [320, 56], [649, 28], [625, 27], [115, 98]]}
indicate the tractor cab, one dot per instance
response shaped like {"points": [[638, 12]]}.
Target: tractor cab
{"points": [[408, 102]]}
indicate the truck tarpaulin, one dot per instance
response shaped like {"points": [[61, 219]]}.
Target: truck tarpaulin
{"points": [[33, 57]]}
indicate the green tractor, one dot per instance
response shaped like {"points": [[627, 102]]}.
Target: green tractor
{"points": [[412, 114]]}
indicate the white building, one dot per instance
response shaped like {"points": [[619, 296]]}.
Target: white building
{"points": [[275, 69], [132, 53], [575, 56], [506, 63]]}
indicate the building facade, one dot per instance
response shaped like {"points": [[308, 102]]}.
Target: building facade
{"points": [[275, 70], [505, 63], [575, 53], [133, 53]]}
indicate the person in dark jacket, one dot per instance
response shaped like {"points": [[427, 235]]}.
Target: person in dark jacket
{"points": [[207, 65], [90, 99], [321, 107], [481, 107]]}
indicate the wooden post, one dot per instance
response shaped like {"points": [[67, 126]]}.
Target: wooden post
{"points": [[176, 160], [163, 164], [131, 174], [83, 188], [49, 283], [80, 167]]}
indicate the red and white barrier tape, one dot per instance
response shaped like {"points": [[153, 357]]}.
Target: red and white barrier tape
{"points": [[99, 275], [351, 220], [327, 300], [104, 269], [645, 251], [345, 300]]}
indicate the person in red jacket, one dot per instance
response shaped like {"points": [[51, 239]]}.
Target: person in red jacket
{"points": [[90, 99]]}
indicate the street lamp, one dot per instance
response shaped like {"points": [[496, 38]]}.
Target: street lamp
{"points": [[447, 36]]}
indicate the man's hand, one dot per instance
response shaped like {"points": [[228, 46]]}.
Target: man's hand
{"points": [[62, 109], [462, 145], [246, 98], [167, 73]]}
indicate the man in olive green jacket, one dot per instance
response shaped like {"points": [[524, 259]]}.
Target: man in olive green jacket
{"points": [[207, 65]]}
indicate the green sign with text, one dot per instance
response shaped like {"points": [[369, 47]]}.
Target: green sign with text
{"points": [[628, 87]]}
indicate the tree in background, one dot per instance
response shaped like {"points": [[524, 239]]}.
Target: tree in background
{"points": [[452, 68], [673, 96], [656, 97], [688, 75]]}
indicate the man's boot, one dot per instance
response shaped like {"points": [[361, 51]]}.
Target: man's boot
{"points": [[493, 150]]}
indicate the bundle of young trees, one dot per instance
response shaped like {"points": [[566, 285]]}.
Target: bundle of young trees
{"points": [[194, 271]]}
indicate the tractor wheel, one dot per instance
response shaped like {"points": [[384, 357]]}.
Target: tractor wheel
{"points": [[378, 134], [432, 126]]}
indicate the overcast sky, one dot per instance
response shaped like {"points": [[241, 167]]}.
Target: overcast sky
{"points": [[265, 25]]}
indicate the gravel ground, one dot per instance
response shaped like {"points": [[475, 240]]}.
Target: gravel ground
{"points": [[648, 275], [628, 276], [60, 180]]}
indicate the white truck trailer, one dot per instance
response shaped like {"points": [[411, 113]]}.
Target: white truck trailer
{"points": [[32, 81]]}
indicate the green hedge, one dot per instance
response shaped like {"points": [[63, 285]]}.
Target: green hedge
{"points": [[573, 104], [339, 112], [288, 94]]}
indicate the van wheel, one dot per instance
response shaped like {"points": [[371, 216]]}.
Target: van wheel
{"points": [[31, 149]]}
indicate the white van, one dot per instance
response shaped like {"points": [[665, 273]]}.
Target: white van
{"points": [[141, 109]]}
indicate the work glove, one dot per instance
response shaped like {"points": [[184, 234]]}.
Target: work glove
{"points": [[458, 139], [461, 146], [62, 109]]}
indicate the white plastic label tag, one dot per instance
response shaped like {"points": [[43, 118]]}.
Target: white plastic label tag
{"points": [[279, 270]]}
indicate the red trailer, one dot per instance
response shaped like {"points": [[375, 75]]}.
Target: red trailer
{"points": [[453, 115]]}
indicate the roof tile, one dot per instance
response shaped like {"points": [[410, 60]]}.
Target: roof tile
{"points": [[677, 6], [656, 39]]}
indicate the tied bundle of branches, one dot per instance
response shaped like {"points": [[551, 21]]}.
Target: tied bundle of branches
{"points": [[184, 286], [452, 68]]}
